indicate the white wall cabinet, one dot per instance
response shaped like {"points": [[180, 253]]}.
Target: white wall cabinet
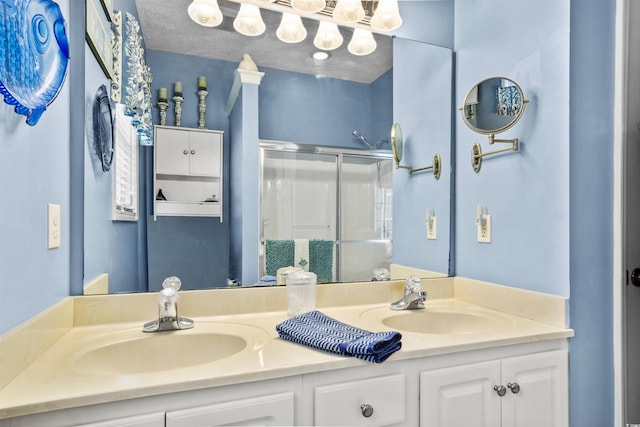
{"points": [[188, 171], [535, 391]]}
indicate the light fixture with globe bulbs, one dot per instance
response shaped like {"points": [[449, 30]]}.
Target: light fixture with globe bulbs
{"points": [[364, 16]]}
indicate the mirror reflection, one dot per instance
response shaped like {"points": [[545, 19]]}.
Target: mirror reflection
{"points": [[303, 108], [326, 210], [493, 105]]}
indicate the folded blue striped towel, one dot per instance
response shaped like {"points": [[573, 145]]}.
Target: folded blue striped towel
{"points": [[317, 330]]}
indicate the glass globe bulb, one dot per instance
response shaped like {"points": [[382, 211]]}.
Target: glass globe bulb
{"points": [[387, 16], [348, 11], [291, 29], [328, 36], [310, 6], [205, 12], [249, 21], [362, 43]]}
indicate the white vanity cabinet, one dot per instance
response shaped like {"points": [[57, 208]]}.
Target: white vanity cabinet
{"points": [[188, 171], [535, 388], [443, 390]]}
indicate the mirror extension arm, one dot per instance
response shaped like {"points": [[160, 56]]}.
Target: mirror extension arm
{"points": [[435, 166], [477, 154]]}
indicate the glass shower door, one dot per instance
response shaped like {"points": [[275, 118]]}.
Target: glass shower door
{"points": [[366, 216], [299, 199]]}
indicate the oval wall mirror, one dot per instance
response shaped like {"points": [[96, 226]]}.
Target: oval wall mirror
{"points": [[396, 143], [493, 105], [490, 107]]}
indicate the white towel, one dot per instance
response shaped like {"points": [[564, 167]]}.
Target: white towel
{"points": [[301, 254]]}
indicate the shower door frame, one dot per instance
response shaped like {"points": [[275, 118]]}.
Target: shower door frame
{"points": [[339, 152]]}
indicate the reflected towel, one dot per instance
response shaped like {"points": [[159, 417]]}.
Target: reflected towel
{"points": [[317, 330], [301, 251], [321, 259], [278, 254]]}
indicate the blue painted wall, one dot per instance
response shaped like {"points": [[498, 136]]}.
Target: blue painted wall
{"points": [[306, 109], [527, 193], [591, 306], [34, 171], [114, 247], [422, 106], [566, 135], [195, 249]]}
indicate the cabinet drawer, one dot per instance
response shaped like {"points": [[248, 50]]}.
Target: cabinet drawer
{"points": [[341, 404], [149, 420], [188, 208], [273, 410]]}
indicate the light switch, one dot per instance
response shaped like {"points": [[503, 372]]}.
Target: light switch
{"points": [[54, 228]]}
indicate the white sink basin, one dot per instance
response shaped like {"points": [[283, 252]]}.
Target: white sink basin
{"points": [[133, 352], [441, 319]]}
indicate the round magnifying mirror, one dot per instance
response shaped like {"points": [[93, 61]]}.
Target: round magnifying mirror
{"points": [[493, 105], [396, 143]]}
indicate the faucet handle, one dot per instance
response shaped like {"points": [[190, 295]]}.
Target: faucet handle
{"points": [[172, 282], [412, 284]]}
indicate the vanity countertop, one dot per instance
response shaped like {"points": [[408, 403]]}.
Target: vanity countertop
{"points": [[56, 380]]}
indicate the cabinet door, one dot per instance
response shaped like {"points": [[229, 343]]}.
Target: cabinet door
{"points": [[149, 420], [274, 410], [542, 398], [461, 396], [172, 151], [204, 153]]}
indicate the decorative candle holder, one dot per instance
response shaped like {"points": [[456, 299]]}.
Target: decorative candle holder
{"points": [[163, 105], [202, 108], [178, 109]]}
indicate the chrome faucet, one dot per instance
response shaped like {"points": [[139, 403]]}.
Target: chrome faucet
{"points": [[168, 318], [413, 297]]}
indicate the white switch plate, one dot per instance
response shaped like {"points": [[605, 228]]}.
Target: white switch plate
{"points": [[484, 231], [432, 229], [54, 227]]}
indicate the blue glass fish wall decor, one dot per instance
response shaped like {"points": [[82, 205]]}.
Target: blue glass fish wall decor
{"points": [[34, 55]]}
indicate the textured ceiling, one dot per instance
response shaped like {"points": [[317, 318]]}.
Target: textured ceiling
{"points": [[167, 27]]}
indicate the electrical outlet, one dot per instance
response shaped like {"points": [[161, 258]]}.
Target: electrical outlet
{"points": [[432, 229], [54, 229], [484, 231]]}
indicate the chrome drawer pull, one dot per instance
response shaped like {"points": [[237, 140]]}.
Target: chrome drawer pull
{"points": [[367, 410]]}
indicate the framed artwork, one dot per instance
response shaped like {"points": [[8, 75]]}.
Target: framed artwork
{"points": [[107, 5], [99, 38]]}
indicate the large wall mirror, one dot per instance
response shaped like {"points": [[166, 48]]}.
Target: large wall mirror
{"points": [[353, 98]]}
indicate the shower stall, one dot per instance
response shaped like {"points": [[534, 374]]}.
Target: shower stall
{"points": [[331, 194]]}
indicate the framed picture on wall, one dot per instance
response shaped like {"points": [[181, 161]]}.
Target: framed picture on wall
{"points": [[107, 5], [99, 38]]}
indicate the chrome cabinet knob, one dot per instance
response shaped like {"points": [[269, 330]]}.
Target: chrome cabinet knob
{"points": [[514, 387], [500, 389], [367, 410], [193, 151], [185, 152]]}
